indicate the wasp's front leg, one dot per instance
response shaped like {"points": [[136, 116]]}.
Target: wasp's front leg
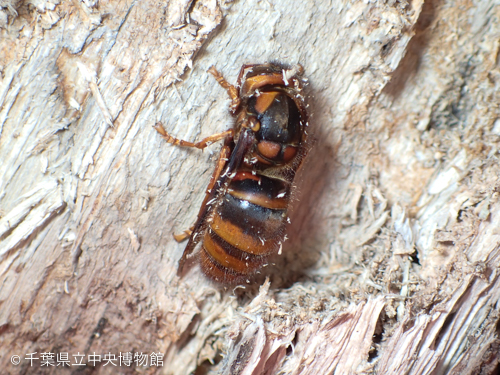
{"points": [[200, 145], [231, 89]]}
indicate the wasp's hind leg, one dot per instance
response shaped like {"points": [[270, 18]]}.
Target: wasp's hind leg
{"points": [[184, 235], [200, 145]]}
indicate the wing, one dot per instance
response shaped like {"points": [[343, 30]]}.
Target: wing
{"points": [[230, 158]]}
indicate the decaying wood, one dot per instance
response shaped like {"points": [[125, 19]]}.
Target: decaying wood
{"points": [[392, 266]]}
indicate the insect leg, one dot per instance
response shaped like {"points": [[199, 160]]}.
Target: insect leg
{"points": [[201, 144], [184, 235], [230, 159], [223, 157], [231, 90], [207, 205]]}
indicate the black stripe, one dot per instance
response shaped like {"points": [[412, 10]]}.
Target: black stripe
{"points": [[269, 187], [254, 220]]}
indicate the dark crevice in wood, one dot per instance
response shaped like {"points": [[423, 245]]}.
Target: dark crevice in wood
{"points": [[444, 328], [187, 335], [496, 370], [23, 244], [416, 48], [290, 348], [3, 328], [99, 329], [245, 350], [378, 335], [206, 367], [414, 257]]}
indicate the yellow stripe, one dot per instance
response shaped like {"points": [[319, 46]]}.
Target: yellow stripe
{"points": [[264, 100], [233, 235], [210, 269], [253, 83], [223, 258]]}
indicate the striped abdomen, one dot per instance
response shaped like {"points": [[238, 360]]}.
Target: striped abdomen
{"points": [[246, 227]]}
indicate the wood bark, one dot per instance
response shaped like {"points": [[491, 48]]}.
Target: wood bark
{"points": [[392, 262]]}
